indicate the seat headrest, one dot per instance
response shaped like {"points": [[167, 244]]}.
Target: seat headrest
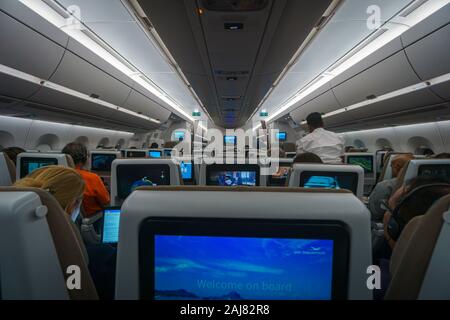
{"points": [[68, 243], [10, 167], [413, 251]]}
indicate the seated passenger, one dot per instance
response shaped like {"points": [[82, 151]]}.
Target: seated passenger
{"points": [[417, 205], [95, 194], [383, 190], [154, 145], [65, 184], [67, 187], [12, 153], [326, 144], [307, 157]]}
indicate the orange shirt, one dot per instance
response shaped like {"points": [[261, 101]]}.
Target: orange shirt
{"points": [[95, 195]]}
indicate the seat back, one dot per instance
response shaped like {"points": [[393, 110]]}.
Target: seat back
{"points": [[127, 173], [420, 262], [135, 153], [38, 244], [420, 167], [280, 181], [368, 162], [7, 170], [27, 162], [354, 179], [241, 204]]}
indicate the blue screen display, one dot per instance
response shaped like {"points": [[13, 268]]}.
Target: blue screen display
{"points": [[186, 170], [111, 219], [322, 182], [232, 178], [155, 154], [167, 152], [282, 136], [229, 140], [192, 268], [178, 135]]}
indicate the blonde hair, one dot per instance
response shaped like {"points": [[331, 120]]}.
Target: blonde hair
{"points": [[65, 184]]}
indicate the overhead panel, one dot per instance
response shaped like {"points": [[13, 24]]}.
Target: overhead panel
{"points": [[324, 103], [141, 104], [430, 58], [41, 61], [389, 75]]}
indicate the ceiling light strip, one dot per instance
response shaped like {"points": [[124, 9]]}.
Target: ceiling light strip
{"points": [[394, 28], [52, 16]]}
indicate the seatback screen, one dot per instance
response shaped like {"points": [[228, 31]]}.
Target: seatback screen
{"points": [[29, 164], [243, 268], [167, 152], [155, 154], [102, 162], [131, 177], [232, 178], [186, 170], [229, 140], [282, 136], [136, 154], [111, 219], [441, 170], [217, 259], [329, 180], [366, 162]]}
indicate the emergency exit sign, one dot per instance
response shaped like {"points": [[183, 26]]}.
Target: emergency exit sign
{"points": [[196, 114], [264, 114]]}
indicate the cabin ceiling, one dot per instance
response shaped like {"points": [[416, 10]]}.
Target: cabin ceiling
{"points": [[232, 70]]}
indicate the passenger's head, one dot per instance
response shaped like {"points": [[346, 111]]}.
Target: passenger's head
{"points": [[154, 146], [314, 121], [399, 162], [410, 201], [281, 152], [307, 157], [442, 156], [65, 184], [78, 152], [13, 152]]}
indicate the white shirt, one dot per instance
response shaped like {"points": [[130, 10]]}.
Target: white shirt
{"points": [[326, 144]]}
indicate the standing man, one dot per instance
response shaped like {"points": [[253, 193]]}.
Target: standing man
{"points": [[326, 144]]}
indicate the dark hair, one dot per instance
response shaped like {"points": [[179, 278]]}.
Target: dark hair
{"points": [[77, 151], [154, 146], [307, 157], [13, 152], [314, 120], [442, 156]]}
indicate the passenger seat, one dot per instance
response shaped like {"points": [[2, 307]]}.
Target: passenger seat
{"points": [[26, 253], [7, 170], [420, 262]]}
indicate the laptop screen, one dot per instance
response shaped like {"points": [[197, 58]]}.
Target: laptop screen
{"points": [[180, 260], [111, 219]]}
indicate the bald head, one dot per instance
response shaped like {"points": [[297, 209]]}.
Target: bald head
{"points": [[399, 162]]}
